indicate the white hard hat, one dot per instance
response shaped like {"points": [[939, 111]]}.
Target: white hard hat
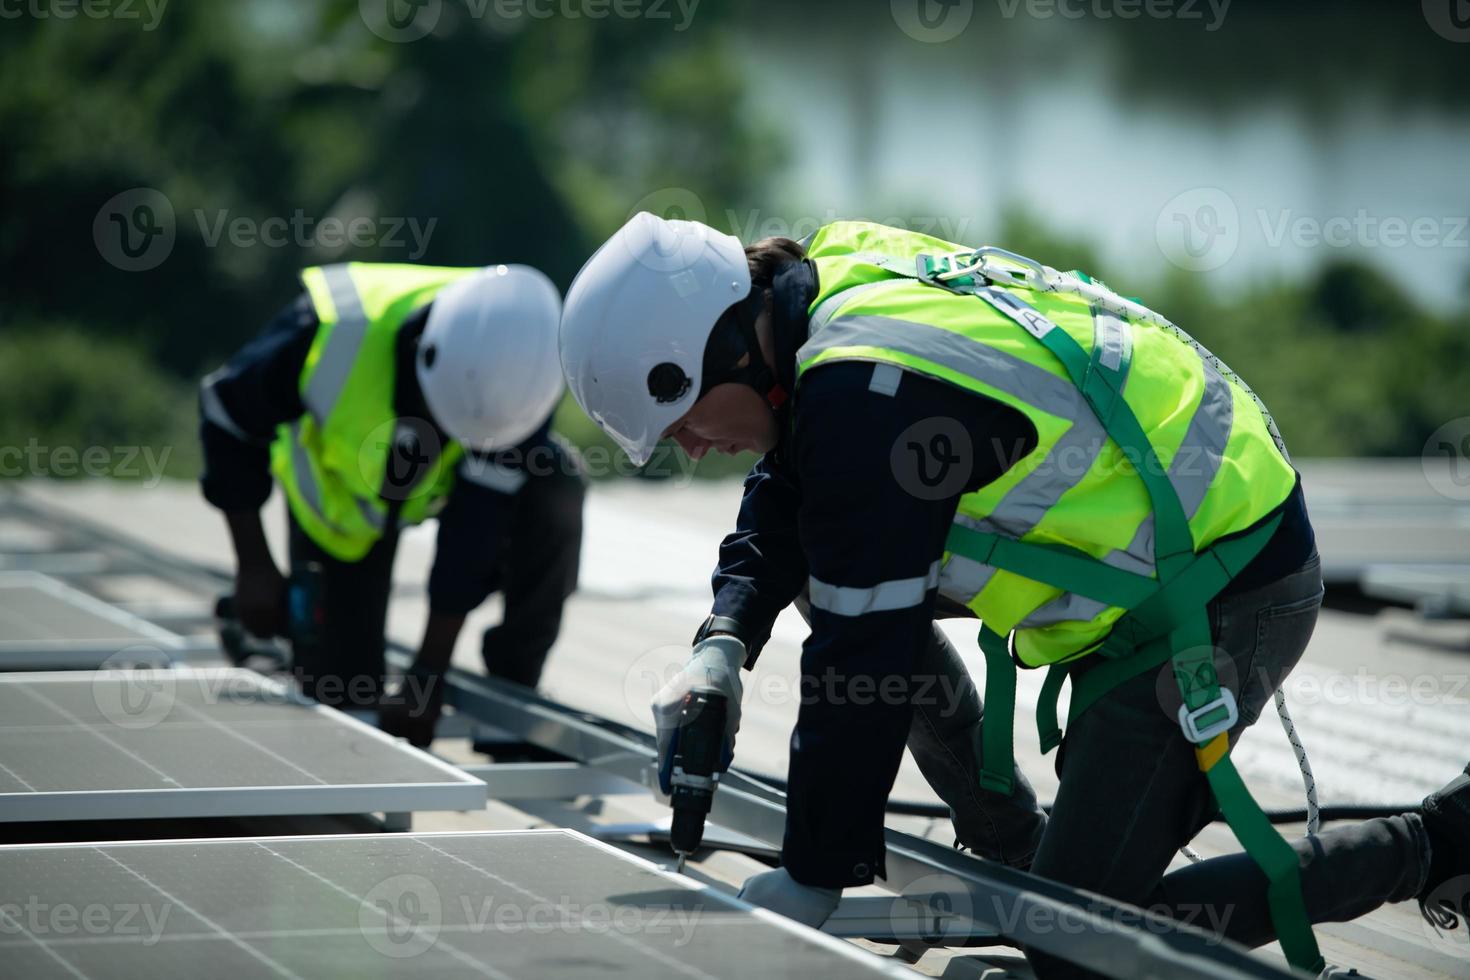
{"points": [[487, 359], [636, 321]]}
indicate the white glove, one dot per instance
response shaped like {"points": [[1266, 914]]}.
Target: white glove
{"points": [[778, 891], [714, 665]]}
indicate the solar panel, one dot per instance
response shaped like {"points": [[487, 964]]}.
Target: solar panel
{"points": [[45, 623], [500, 904], [197, 742]]}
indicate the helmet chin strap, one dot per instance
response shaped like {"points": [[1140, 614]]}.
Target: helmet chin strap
{"points": [[734, 338]]}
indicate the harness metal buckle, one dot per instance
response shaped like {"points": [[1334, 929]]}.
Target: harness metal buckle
{"points": [[943, 270], [1209, 719]]}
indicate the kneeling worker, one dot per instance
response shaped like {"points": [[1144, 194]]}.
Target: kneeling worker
{"points": [[955, 430], [385, 395]]}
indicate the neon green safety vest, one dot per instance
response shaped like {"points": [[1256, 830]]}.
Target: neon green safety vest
{"points": [[333, 461], [1077, 488], [1156, 477]]}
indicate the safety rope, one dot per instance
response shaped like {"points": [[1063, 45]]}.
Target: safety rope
{"points": [[1309, 782]]}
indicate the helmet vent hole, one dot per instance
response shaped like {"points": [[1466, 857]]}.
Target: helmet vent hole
{"points": [[667, 382], [430, 354]]}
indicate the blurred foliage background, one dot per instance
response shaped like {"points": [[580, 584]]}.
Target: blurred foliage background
{"points": [[504, 135]]}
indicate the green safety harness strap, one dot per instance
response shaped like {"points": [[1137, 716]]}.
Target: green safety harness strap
{"points": [[1166, 618]]}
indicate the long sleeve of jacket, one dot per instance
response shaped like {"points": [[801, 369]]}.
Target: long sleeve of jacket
{"points": [[761, 566], [478, 517], [881, 470], [242, 403]]}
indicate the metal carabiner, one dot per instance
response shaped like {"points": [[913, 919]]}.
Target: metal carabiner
{"points": [[1017, 277]]}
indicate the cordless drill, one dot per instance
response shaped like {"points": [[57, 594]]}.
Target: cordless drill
{"points": [[697, 763]]}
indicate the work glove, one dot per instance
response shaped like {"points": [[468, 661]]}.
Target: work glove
{"points": [[714, 665], [778, 891]]}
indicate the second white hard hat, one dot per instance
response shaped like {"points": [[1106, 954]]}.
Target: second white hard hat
{"points": [[636, 321], [487, 360]]}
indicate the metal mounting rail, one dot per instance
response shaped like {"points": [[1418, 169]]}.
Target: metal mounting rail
{"points": [[965, 900], [968, 897]]}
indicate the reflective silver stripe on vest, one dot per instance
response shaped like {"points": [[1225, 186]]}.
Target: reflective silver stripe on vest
{"points": [[1005, 372], [311, 492], [1113, 337], [1071, 607], [306, 485], [829, 306], [1191, 472], [901, 593], [329, 376], [1024, 505], [1194, 466], [491, 475], [372, 515]]}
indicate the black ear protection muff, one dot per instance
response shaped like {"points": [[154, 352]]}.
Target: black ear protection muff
{"points": [[734, 337]]}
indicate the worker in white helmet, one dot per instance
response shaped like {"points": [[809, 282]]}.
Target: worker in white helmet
{"points": [[951, 431], [385, 395]]}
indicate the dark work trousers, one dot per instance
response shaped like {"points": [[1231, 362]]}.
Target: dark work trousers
{"points": [[944, 739], [339, 609], [1132, 794]]}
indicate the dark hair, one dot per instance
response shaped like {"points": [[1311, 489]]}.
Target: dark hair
{"points": [[768, 255]]}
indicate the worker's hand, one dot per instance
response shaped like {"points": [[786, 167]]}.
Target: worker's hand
{"points": [[260, 593], [715, 666], [778, 891], [412, 711]]}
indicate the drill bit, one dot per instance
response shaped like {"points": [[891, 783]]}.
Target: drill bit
{"points": [[679, 864]]}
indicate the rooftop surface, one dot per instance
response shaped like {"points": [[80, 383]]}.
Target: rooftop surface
{"points": [[1380, 699]]}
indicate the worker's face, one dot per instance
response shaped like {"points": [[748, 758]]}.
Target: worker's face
{"points": [[730, 418]]}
